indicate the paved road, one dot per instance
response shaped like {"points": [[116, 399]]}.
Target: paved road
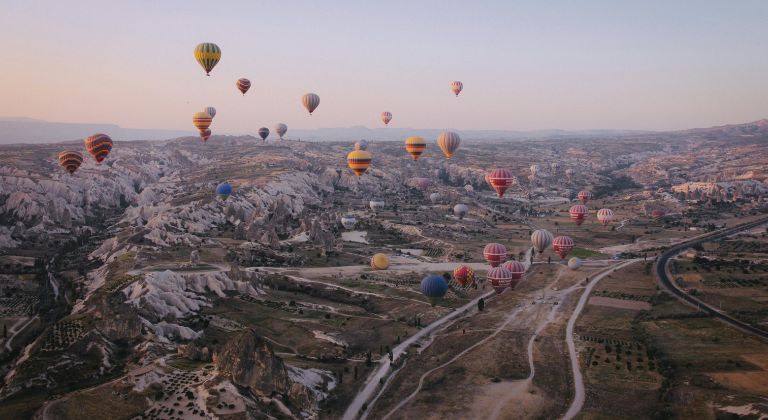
{"points": [[665, 279]]}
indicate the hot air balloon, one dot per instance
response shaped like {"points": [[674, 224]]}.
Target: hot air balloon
{"points": [[569, 173], [657, 214], [361, 145], [359, 161], [421, 183], [578, 213], [243, 85], [281, 129], [386, 117], [210, 111], [310, 101], [574, 263], [605, 216], [348, 221], [99, 146], [263, 133], [500, 278], [500, 179], [495, 254], [415, 146], [456, 87], [562, 245], [380, 262], [201, 120], [464, 276], [224, 190], [517, 269], [448, 141], [460, 210], [205, 134], [469, 188], [434, 288], [435, 197], [541, 239], [376, 205], [208, 55], [584, 196], [70, 160]]}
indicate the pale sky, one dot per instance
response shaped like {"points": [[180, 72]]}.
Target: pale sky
{"points": [[662, 64]]}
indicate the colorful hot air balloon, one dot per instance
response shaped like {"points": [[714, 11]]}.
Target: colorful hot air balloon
{"points": [[657, 214], [541, 239], [517, 269], [263, 133], [415, 146], [460, 210], [361, 145], [201, 120], [348, 221], [434, 288], [464, 276], [500, 278], [224, 190], [469, 188], [605, 216], [495, 254], [574, 263], [578, 213], [210, 111], [99, 146], [243, 85], [456, 87], [380, 262], [376, 205], [386, 117], [281, 129], [208, 55], [448, 141], [584, 196], [500, 179], [562, 245], [359, 161], [205, 134], [310, 101], [70, 160], [435, 197]]}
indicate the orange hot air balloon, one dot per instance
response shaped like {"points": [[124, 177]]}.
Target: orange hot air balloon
{"points": [[415, 146], [359, 161], [99, 146], [201, 120], [70, 160]]}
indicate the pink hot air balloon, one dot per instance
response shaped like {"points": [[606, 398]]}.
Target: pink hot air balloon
{"points": [[500, 278], [518, 271], [500, 179], [386, 117], [562, 245], [578, 213], [584, 196], [495, 254], [456, 87]]}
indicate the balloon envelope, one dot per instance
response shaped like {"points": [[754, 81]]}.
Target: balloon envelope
{"points": [[310, 102], [495, 254], [380, 262], [281, 129], [415, 146], [70, 160], [263, 133], [460, 210], [541, 239], [456, 87], [243, 85], [359, 161], [448, 141], [207, 55], [434, 288], [99, 146], [224, 190]]}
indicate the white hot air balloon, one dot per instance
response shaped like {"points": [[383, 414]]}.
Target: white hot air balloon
{"points": [[541, 239], [574, 263], [460, 210], [376, 205]]}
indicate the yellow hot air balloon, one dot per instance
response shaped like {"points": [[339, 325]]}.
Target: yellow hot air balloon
{"points": [[448, 142], [202, 120], [415, 146], [380, 262], [359, 161], [208, 55]]}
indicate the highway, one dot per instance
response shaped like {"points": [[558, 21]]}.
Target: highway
{"points": [[665, 280]]}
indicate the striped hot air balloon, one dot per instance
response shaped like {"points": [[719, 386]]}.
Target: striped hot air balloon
{"points": [[281, 129], [361, 145], [578, 213], [562, 245], [263, 133], [310, 102], [201, 120], [495, 254], [210, 111], [205, 134], [605, 216], [448, 141], [464, 276], [359, 161], [434, 287], [500, 278], [456, 87], [386, 117], [70, 160], [584, 196], [207, 55], [500, 179], [224, 190], [541, 239], [376, 205], [517, 269], [460, 210], [380, 262], [243, 85], [99, 146], [415, 146]]}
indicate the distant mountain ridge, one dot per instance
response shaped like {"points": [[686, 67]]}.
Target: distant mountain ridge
{"points": [[28, 130]]}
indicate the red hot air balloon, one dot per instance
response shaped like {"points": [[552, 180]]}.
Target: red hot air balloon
{"points": [[243, 85], [518, 271], [464, 275], [205, 134], [500, 179], [495, 254], [562, 245], [99, 146], [584, 196], [456, 87], [500, 278], [657, 214], [578, 213]]}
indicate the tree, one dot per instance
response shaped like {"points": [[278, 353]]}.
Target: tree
{"points": [[481, 304]]}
